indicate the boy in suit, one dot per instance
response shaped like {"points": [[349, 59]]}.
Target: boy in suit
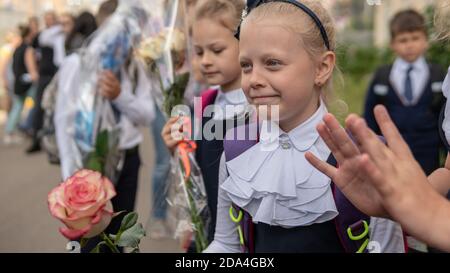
{"points": [[411, 90]]}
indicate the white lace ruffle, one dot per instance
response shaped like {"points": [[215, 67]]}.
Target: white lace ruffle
{"points": [[280, 187]]}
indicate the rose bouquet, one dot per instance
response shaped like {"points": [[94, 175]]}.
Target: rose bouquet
{"points": [[165, 57], [83, 204]]}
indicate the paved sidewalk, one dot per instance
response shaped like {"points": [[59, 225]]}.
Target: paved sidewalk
{"points": [[25, 222]]}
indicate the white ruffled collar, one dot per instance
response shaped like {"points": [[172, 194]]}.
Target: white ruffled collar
{"points": [[229, 98], [273, 181], [302, 136]]}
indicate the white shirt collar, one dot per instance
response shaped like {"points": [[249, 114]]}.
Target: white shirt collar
{"points": [[419, 65], [230, 98], [302, 137], [233, 97]]}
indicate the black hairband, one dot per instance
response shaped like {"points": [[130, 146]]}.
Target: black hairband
{"points": [[298, 5]]}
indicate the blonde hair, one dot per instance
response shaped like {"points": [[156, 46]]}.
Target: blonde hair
{"points": [[442, 21], [227, 12], [303, 25]]}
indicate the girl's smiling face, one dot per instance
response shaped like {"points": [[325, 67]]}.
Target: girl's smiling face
{"points": [[277, 70]]}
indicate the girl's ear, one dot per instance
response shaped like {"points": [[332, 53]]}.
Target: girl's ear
{"points": [[325, 68]]}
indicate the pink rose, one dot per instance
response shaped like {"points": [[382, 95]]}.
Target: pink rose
{"points": [[83, 204]]}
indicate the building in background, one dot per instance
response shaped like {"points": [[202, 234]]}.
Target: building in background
{"points": [[366, 22], [387, 8], [354, 21]]}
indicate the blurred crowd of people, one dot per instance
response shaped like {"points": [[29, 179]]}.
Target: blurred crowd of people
{"points": [[32, 56]]}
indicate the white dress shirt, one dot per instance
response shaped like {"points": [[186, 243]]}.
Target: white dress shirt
{"points": [[419, 78]]}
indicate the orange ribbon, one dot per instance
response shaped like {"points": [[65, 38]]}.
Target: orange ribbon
{"points": [[185, 147]]}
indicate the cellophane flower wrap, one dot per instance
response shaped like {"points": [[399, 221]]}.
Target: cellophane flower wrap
{"points": [[96, 129], [165, 52]]}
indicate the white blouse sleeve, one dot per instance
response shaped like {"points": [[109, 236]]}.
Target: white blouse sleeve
{"points": [[138, 105], [226, 238]]}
